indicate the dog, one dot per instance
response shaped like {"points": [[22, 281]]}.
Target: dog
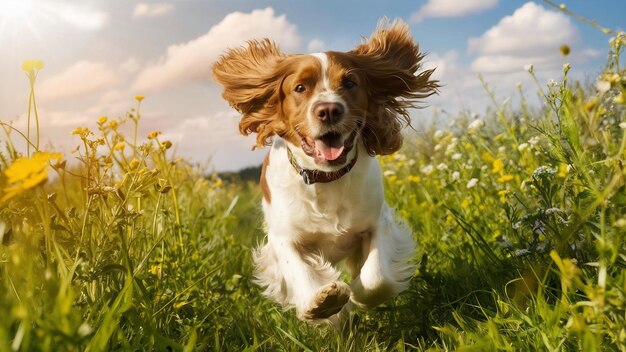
{"points": [[326, 116]]}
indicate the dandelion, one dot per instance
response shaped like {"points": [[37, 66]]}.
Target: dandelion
{"points": [[471, 183], [27, 173]]}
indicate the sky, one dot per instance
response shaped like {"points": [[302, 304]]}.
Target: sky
{"points": [[100, 54]]}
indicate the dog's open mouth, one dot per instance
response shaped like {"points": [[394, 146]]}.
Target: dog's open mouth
{"points": [[330, 147]]}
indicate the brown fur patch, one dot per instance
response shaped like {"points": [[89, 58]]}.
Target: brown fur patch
{"points": [[264, 187]]}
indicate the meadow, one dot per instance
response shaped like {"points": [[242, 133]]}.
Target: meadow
{"points": [[520, 216]]}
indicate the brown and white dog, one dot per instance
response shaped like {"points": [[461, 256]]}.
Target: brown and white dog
{"points": [[330, 113]]}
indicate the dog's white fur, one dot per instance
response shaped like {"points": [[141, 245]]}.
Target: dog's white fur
{"points": [[348, 218]]}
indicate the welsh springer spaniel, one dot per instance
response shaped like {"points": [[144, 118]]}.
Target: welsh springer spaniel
{"points": [[323, 199]]}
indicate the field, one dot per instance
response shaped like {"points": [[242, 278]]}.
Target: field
{"points": [[520, 216]]}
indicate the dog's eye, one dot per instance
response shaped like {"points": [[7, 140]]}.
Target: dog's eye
{"points": [[348, 84], [299, 88]]}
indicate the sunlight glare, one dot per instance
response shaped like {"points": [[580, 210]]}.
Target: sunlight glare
{"points": [[15, 9]]}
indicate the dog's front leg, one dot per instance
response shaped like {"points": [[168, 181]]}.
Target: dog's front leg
{"points": [[386, 269], [299, 279]]}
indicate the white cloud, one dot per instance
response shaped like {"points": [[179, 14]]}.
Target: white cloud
{"points": [[191, 61], [531, 35], [152, 10], [80, 16], [451, 8], [81, 78], [315, 45]]}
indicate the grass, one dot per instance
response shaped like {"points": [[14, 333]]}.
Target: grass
{"points": [[519, 215]]}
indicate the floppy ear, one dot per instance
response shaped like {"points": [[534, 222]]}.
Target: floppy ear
{"points": [[251, 85], [391, 61]]}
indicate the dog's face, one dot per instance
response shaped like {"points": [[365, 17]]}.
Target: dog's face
{"points": [[323, 102]]}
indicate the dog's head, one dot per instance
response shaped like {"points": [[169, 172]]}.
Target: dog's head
{"points": [[323, 102]]}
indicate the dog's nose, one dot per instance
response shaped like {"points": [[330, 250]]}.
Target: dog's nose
{"points": [[328, 112]]}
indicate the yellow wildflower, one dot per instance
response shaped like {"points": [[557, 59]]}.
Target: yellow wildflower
{"points": [[487, 157], [113, 124], [505, 178], [154, 134], [497, 166], [120, 146], [503, 194], [139, 97], [102, 120], [414, 178], [133, 164], [32, 65], [83, 132], [465, 203], [563, 171], [27, 173], [155, 270]]}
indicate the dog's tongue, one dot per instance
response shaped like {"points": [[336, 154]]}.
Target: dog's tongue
{"points": [[330, 149]]}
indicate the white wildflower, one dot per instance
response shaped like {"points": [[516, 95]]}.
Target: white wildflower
{"points": [[428, 169], [438, 134], [522, 147], [442, 167], [534, 141], [528, 68], [388, 173], [622, 125], [603, 86], [475, 125], [456, 156], [471, 183], [456, 175]]}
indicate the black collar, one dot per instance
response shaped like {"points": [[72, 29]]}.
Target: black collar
{"points": [[317, 176]]}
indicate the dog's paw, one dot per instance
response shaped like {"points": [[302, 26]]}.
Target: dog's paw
{"points": [[327, 301]]}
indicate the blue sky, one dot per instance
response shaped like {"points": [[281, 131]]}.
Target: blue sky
{"points": [[100, 54]]}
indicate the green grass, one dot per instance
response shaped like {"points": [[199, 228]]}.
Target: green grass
{"points": [[520, 221]]}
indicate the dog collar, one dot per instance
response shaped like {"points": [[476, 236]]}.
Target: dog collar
{"points": [[311, 176]]}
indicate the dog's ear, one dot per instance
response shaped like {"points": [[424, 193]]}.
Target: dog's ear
{"points": [[251, 83], [391, 62]]}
